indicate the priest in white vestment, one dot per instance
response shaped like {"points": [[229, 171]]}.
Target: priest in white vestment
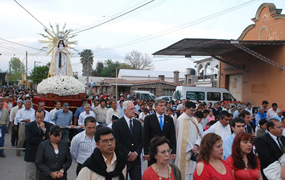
{"points": [[188, 141], [222, 127]]}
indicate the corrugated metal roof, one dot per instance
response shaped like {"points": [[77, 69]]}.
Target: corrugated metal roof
{"points": [[208, 47], [146, 73]]}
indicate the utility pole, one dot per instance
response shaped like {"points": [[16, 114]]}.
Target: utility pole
{"points": [[36, 63], [116, 84], [26, 69]]}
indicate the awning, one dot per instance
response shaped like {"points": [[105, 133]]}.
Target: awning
{"points": [[218, 47]]}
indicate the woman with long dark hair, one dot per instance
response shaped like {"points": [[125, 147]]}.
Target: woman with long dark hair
{"points": [[244, 163], [211, 164]]}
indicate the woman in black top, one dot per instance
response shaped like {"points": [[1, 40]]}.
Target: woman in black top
{"points": [[53, 157]]}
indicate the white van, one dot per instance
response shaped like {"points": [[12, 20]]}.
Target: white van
{"points": [[144, 95], [203, 94]]}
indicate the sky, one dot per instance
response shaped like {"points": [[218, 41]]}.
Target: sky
{"points": [[154, 26]]}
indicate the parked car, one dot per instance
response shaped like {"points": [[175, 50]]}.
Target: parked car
{"points": [[144, 95], [166, 98]]}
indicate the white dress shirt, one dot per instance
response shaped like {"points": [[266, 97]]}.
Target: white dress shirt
{"points": [[84, 115], [110, 113], [52, 112], [13, 113], [86, 173], [82, 147], [23, 114]]}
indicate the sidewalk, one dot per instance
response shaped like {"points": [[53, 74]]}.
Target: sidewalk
{"points": [[14, 168]]}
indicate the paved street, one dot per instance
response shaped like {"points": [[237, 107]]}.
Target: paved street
{"points": [[13, 167]]}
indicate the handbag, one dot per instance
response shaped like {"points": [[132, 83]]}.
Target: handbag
{"points": [[272, 172]]}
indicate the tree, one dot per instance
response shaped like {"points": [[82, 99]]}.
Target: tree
{"points": [[110, 68], [98, 69], [17, 70], [107, 68], [86, 61], [39, 73], [136, 60]]}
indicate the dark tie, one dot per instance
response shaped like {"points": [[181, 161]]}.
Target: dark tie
{"points": [[246, 129], [280, 145], [161, 123], [40, 131], [131, 126]]}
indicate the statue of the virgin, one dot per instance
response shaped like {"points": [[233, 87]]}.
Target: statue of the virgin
{"points": [[60, 64]]}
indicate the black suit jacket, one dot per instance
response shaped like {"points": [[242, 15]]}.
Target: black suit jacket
{"points": [[125, 141], [249, 129], [47, 161], [33, 139], [152, 128], [268, 150]]}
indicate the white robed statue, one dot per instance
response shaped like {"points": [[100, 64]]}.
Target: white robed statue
{"points": [[60, 64]]}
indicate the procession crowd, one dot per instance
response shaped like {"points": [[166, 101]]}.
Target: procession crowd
{"points": [[129, 138]]}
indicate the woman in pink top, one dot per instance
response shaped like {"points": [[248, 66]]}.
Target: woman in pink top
{"points": [[243, 161], [211, 165], [211, 117]]}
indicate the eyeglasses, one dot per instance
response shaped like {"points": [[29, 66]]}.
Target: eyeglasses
{"points": [[106, 141], [164, 151]]}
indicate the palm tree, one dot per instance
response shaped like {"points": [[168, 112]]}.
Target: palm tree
{"points": [[86, 61]]}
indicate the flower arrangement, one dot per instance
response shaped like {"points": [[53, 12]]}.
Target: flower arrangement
{"points": [[61, 85]]}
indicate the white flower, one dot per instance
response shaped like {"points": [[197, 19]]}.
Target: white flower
{"points": [[61, 85]]}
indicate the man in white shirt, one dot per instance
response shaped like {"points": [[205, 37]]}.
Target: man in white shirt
{"points": [[86, 113], [236, 112], [104, 161], [222, 127], [24, 115], [112, 111], [237, 125], [57, 104], [14, 110], [41, 106], [83, 144], [114, 118], [272, 111], [181, 105]]}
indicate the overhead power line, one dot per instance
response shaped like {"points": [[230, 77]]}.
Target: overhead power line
{"points": [[183, 26], [31, 15], [18, 44], [111, 14], [112, 19]]}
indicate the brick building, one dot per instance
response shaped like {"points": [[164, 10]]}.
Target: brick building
{"points": [[252, 67], [158, 87]]}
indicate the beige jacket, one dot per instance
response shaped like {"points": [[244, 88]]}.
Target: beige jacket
{"points": [[4, 120]]}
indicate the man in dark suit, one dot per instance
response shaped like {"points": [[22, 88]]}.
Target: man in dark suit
{"points": [[36, 132], [129, 139], [270, 146], [245, 115], [159, 124]]}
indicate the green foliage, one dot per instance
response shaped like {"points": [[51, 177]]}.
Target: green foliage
{"points": [[108, 68], [86, 61], [39, 73], [17, 70]]}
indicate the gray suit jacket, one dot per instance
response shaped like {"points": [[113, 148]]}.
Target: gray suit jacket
{"points": [[4, 120]]}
